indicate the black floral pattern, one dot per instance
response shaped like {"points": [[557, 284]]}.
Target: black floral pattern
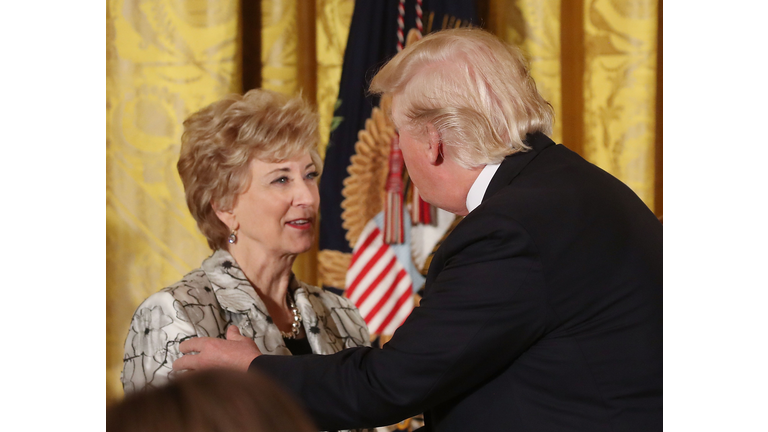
{"points": [[149, 323]]}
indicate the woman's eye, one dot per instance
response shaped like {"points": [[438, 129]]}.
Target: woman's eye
{"points": [[281, 180], [313, 175]]}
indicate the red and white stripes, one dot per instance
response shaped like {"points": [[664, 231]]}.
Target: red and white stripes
{"points": [[419, 13], [401, 22], [377, 283], [400, 25]]}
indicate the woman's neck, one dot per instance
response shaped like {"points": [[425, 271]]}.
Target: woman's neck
{"points": [[269, 274]]}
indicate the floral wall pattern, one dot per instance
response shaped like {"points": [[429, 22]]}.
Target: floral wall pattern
{"points": [[599, 57], [534, 25], [165, 60], [619, 90]]}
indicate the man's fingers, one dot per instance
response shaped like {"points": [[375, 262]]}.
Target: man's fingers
{"points": [[233, 333], [186, 362], [195, 344], [189, 345], [200, 353]]}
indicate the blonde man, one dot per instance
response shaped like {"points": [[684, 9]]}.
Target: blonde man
{"points": [[542, 309]]}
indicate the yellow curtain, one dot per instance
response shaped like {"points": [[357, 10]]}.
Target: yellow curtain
{"points": [[165, 60], [620, 90], [594, 60], [535, 27], [299, 55], [333, 19]]}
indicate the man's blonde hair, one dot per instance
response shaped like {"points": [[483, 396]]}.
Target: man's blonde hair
{"points": [[476, 91], [220, 140]]}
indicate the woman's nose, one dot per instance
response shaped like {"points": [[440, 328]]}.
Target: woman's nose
{"points": [[305, 194]]}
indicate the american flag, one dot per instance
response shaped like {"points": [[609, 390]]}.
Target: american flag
{"points": [[378, 282]]}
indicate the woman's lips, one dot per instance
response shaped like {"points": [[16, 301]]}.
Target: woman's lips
{"points": [[302, 224]]}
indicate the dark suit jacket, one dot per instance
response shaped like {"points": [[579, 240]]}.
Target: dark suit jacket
{"points": [[542, 311]]}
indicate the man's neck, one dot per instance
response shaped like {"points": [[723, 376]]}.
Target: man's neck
{"points": [[480, 185], [457, 186]]}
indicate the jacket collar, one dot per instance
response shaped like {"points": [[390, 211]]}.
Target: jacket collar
{"points": [[236, 295], [224, 273], [513, 164]]}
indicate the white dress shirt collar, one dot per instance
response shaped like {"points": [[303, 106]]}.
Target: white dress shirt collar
{"points": [[477, 191]]}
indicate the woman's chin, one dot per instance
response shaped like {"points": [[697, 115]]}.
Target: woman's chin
{"points": [[302, 247]]}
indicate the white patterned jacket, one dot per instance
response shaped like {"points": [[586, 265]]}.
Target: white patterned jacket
{"points": [[207, 300]]}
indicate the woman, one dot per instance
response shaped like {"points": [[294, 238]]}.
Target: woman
{"points": [[249, 166]]}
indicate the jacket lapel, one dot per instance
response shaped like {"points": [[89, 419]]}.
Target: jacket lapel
{"points": [[247, 311], [320, 328], [243, 306]]}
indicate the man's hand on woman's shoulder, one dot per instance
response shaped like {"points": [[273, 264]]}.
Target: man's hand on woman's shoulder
{"points": [[236, 352]]}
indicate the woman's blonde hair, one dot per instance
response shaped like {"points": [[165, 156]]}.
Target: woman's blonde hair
{"points": [[220, 140], [475, 90]]}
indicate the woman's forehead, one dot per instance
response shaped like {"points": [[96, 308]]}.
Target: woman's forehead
{"points": [[301, 160]]}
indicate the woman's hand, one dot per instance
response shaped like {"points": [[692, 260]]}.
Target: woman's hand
{"points": [[236, 352]]}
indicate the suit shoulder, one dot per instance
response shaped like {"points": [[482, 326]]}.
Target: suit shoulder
{"points": [[494, 219]]}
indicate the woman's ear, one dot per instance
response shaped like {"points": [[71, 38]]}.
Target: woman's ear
{"points": [[226, 216], [434, 145]]}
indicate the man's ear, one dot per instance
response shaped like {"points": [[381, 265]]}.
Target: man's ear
{"points": [[226, 216], [434, 145]]}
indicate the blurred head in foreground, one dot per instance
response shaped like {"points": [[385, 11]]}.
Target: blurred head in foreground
{"points": [[210, 401]]}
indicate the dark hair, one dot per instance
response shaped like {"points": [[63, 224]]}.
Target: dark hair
{"points": [[210, 401]]}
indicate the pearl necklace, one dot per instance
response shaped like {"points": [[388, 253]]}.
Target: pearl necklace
{"points": [[296, 325]]}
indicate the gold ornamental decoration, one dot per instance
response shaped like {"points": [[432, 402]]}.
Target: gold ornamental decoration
{"points": [[364, 189]]}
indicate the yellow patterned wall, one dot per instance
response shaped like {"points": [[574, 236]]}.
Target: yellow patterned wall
{"points": [[333, 20], [620, 90], [279, 46], [165, 60], [282, 50], [534, 25], [618, 113]]}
